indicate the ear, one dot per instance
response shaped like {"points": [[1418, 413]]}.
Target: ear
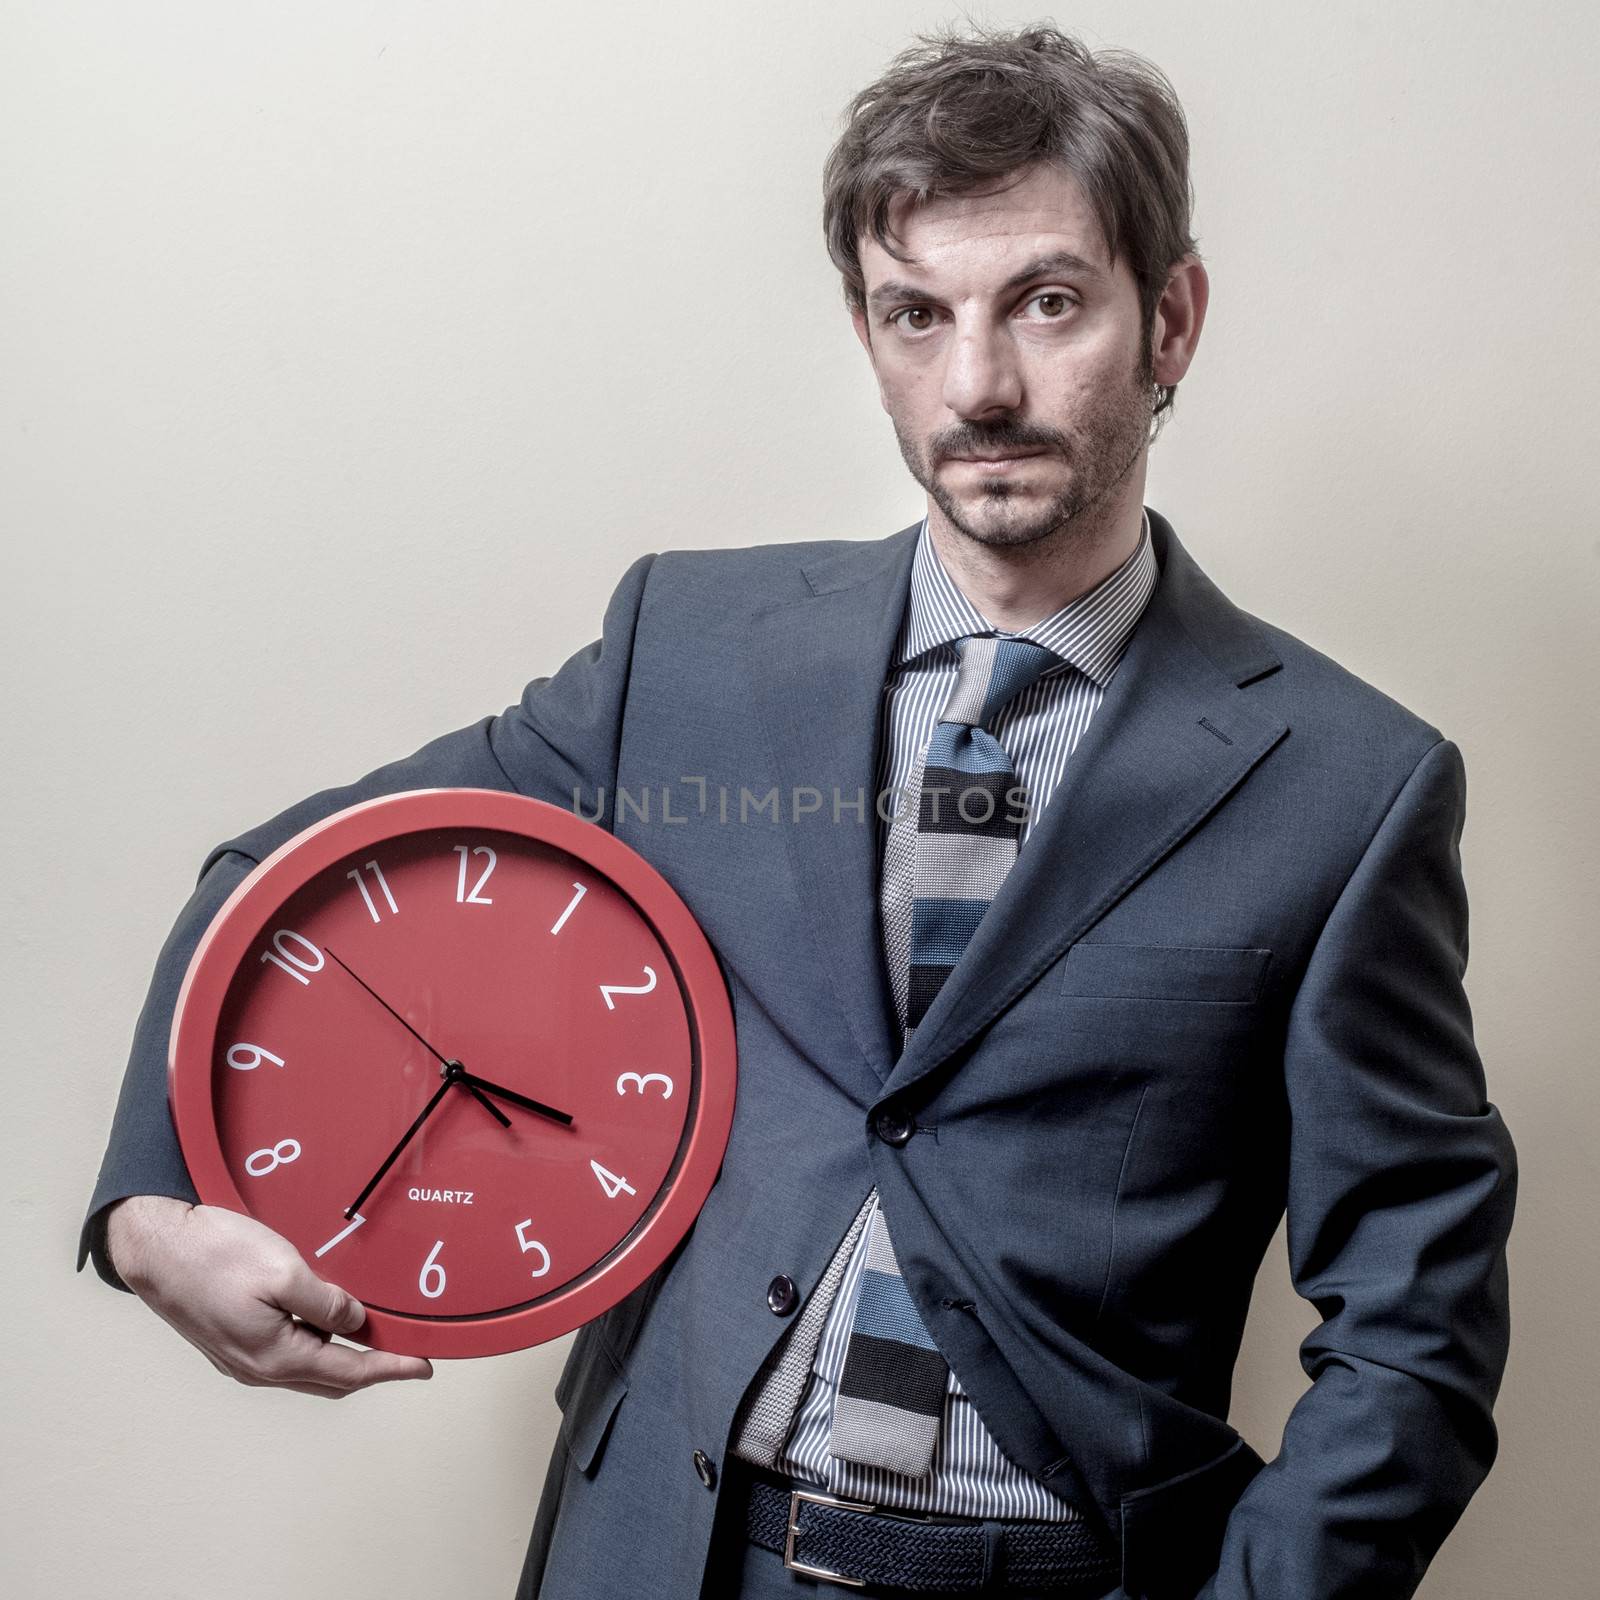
{"points": [[1180, 314]]}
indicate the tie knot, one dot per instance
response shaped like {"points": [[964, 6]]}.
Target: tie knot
{"points": [[993, 672]]}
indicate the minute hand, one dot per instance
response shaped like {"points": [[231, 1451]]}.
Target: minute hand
{"points": [[405, 1139], [471, 1079]]}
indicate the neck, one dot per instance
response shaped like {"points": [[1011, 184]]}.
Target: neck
{"points": [[1015, 586]]}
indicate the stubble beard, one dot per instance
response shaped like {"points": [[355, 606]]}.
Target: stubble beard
{"points": [[1104, 449]]}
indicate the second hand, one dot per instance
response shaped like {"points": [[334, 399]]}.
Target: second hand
{"points": [[493, 1110], [393, 1013]]}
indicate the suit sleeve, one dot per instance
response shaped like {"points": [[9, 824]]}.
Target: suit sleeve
{"points": [[558, 743], [1401, 1184]]}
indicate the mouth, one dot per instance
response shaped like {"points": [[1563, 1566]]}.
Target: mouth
{"points": [[997, 463]]}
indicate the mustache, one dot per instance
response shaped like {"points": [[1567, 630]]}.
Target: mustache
{"points": [[995, 440]]}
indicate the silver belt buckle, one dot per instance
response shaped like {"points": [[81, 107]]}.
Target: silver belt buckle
{"points": [[795, 1497]]}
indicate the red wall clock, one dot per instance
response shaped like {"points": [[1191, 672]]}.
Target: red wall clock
{"points": [[471, 1054]]}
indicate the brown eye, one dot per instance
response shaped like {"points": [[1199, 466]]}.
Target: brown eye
{"points": [[1060, 301], [912, 311]]}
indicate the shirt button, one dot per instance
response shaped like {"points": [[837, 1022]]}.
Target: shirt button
{"points": [[704, 1466], [894, 1126], [782, 1296]]}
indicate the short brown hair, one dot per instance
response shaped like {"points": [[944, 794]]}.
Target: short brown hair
{"points": [[952, 113]]}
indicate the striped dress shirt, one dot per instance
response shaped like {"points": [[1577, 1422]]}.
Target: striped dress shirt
{"points": [[1039, 730]]}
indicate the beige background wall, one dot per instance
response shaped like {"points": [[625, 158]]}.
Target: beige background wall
{"points": [[349, 353]]}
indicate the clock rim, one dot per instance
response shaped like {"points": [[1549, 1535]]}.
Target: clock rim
{"points": [[236, 926]]}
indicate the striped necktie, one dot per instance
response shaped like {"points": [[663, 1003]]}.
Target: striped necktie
{"points": [[944, 862]]}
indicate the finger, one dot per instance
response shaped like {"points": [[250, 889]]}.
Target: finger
{"points": [[302, 1357], [348, 1369], [322, 1304], [328, 1309], [320, 1390], [332, 1370]]}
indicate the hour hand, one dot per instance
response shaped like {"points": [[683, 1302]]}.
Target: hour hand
{"points": [[488, 1105], [471, 1080]]}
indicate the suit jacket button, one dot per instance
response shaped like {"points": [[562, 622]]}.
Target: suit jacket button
{"points": [[894, 1126], [705, 1467], [782, 1296]]}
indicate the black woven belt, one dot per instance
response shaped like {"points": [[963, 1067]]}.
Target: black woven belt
{"points": [[853, 1543]]}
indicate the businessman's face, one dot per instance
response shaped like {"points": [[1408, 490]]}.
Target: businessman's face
{"points": [[1010, 334]]}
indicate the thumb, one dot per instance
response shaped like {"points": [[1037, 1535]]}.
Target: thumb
{"points": [[348, 1312], [323, 1304]]}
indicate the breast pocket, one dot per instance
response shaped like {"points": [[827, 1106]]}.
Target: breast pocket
{"points": [[1215, 974]]}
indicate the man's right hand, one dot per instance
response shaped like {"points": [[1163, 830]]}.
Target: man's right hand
{"points": [[237, 1291]]}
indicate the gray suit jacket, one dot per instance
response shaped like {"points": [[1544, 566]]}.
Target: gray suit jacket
{"points": [[1224, 977]]}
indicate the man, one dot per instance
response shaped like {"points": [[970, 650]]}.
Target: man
{"points": [[1170, 936]]}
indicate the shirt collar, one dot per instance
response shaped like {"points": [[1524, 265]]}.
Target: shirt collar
{"points": [[1090, 632]]}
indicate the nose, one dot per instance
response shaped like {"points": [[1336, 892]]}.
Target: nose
{"points": [[982, 374]]}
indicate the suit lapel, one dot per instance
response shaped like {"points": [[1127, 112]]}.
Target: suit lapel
{"points": [[818, 667], [1172, 738]]}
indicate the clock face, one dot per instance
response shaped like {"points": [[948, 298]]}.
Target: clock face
{"points": [[480, 1075]]}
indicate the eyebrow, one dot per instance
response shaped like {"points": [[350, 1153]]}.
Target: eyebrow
{"points": [[1059, 263]]}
